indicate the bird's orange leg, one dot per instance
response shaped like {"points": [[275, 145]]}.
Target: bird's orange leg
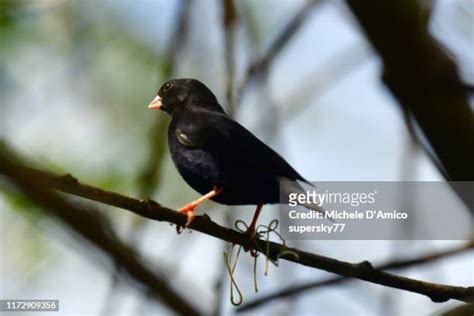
{"points": [[188, 209], [251, 229]]}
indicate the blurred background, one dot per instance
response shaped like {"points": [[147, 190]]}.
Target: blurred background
{"points": [[76, 78]]}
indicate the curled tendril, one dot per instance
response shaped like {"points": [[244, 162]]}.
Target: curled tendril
{"points": [[261, 231], [230, 269], [241, 226], [255, 284]]}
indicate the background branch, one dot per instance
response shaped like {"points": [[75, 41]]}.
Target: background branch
{"points": [[148, 179], [229, 21], [261, 64], [423, 78], [320, 80]]}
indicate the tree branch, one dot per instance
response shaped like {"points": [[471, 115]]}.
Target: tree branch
{"points": [[391, 265], [152, 210]]}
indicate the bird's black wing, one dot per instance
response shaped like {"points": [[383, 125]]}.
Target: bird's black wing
{"points": [[219, 134]]}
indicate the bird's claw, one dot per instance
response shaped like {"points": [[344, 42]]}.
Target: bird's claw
{"points": [[251, 233], [188, 209]]}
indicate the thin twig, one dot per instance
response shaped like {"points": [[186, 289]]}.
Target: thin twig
{"points": [[320, 80], [261, 64], [229, 21], [149, 177], [152, 210]]}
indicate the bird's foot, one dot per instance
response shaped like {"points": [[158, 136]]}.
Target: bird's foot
{"points": [[189, 210], [251, 233]]}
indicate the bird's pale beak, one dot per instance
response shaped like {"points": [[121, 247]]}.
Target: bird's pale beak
{"points": [[155, 104]]}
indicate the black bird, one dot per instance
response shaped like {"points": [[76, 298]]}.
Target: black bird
{"points": [[216, 155]]}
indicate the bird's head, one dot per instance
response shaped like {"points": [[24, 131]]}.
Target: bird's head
{"points": [[179, 94]]}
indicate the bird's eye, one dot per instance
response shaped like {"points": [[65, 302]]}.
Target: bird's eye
{"points": [[167, 87]]}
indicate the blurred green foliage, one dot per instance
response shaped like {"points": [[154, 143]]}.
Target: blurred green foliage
{"points": [[22, 230]]}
